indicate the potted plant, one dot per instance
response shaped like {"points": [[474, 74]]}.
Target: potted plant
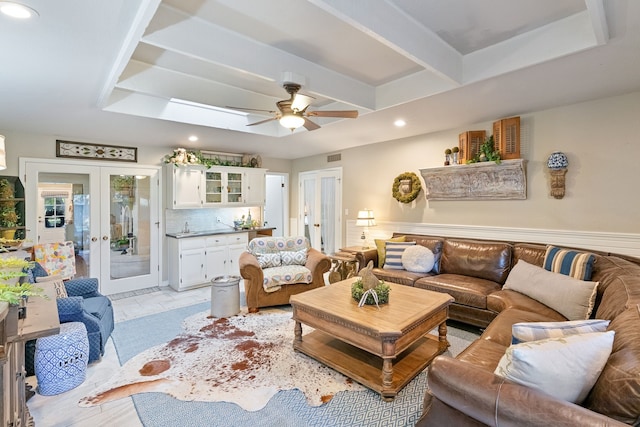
{"points": [[8, 215], [12, 269]]}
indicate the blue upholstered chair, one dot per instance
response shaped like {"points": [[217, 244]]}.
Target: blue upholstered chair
{"points": [[84, 304]]}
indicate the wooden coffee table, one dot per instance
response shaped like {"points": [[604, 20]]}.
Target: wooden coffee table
{"points": [[382, 349]]}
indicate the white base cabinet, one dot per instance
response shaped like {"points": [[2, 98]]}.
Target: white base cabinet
{"points": [[195, 261]]}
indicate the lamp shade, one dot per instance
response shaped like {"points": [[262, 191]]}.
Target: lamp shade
{"points": [[365, 218], [557, 160], [292, 121], [3, 155]]}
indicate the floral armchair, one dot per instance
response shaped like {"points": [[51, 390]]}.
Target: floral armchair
{"points": [[274, 268]]}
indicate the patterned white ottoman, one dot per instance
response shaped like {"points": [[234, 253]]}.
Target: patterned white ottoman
{"points": [[61, 360]]}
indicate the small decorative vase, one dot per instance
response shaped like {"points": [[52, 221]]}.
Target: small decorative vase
{"points": [[455, 158], [446, 160]]}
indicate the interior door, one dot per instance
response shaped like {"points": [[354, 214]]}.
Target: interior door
{"points": [[276, 210], [94, 221], [319, 207]]}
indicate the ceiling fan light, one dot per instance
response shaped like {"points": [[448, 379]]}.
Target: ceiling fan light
{"points": [[291, 121]]}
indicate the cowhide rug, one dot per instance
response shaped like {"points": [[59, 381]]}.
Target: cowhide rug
{"points": [[244, 359]]}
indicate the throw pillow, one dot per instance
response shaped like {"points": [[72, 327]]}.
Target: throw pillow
{"points": [[394, 250], [572, 263], [294, 257], [418, 259], [565, 368], [58, 284], [269, 260], [572, 298], [534, 331], [380, 245]]}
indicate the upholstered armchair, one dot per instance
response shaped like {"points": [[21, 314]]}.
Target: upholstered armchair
{"points": [[83, 303], [274, 268]]}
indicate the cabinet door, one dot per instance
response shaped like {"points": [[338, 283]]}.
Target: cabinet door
{"points": [[214, 185], [192, 267], [233, 268], [234, 187], [255, 187], [186, 187], [216, 261]]}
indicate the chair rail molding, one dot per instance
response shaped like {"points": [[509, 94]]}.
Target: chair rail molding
{"points": [[477, 181]]}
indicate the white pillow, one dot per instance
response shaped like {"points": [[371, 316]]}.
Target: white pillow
{"points": [[418, 259], [533, 331], [565, 368], [572, 298]]}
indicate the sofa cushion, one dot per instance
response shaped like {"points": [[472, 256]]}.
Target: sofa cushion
{"points": [[382, 250], [433, 243], [506, 299], [576, 264], [622, 293], [484, 260], [267, 245], [572, 298], [402, 277], [417, 259], [565, 368], [617, 391], [97, 306], [534, 331], [394, 251], [275, 277], [269, 260], [500, 329], [298, 257], [470, 291], [529, 252]]}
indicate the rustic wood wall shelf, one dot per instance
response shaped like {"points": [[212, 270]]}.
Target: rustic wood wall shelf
{"points": [[477, 181]]}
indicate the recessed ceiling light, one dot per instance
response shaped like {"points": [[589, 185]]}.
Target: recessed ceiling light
{"points": [[17, 10], [399, 123], [193, 138]]}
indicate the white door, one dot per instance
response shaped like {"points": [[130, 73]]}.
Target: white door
{"points": [[102, 243], [319, 208], [276, 208]]}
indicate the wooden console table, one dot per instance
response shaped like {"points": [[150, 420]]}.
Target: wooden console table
{"points": [[41, 321]]}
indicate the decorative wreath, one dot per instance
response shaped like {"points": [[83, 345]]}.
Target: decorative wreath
{"points": [[415, 187]]}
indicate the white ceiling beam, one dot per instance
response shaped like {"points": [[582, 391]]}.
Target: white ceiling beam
{"points": [[392, 27], [175, 31], [598, 20], [162, 82], [144, 15], [560, 38], [410, 88]]}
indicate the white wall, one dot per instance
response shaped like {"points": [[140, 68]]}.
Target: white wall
{"points": [[600, 138]]}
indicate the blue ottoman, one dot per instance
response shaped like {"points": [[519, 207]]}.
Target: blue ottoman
{"points": [[61, 360]]}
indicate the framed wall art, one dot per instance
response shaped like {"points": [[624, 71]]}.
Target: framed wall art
{"points": [[85, 150]]}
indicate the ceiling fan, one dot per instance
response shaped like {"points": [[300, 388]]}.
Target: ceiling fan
{"points": [[292, 113]]}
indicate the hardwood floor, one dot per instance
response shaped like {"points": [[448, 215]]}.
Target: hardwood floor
{"points": [[62, 410]]}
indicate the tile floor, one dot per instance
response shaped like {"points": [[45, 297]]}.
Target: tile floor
{"points": [[63, 410]]}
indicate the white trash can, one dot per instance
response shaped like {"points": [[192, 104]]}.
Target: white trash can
{"points": [[225, 296]]}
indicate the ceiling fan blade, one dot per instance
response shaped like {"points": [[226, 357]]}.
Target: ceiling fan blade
{"points": [[309, 125], [250, 109], [300, 102], [263, 121], [347, 114]]}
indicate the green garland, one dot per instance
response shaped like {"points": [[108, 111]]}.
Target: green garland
{"points": [[415, 187], [357, 291]]}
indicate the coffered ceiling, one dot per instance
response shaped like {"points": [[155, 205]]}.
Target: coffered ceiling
{"points": [[152, 72]]}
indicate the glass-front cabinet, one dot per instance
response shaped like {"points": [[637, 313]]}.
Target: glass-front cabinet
{"points": [[223, 187]]}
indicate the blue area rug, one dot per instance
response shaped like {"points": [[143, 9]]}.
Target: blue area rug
{"points": [[286, 408]]}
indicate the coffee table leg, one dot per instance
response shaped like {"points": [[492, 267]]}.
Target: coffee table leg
{"points": [[297, 330], [442, 337]]}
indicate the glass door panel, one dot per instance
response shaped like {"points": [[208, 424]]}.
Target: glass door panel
{"points": [[234, 187], [213, 187]]}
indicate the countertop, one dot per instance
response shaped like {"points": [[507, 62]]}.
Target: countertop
{"points": [[229, 230]]}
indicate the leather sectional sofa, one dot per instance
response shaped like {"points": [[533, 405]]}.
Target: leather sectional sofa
{"points": [[465, 392]]}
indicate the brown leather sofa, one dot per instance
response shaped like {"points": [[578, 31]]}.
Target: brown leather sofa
{"points": [[465, 392]]}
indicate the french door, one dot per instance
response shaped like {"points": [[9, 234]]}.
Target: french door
{"points": [[111, 213], [319, 208]]}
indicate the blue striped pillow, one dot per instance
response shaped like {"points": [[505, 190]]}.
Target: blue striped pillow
{"points": [[578, 265], [394, 252], [534, 331]]}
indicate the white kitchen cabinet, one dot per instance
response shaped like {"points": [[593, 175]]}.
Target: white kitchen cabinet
{"points": [[255, 187], [185, 186], [195, 261], [224, 186]]}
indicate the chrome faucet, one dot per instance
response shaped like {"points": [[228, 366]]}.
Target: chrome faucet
{"points": [[186, 227]]}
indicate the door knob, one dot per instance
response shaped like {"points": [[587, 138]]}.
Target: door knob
{"points": [[105, 237], [316, 225], [94, 239]]}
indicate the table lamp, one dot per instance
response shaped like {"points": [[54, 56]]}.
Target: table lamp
{"points": [[365, 219]]}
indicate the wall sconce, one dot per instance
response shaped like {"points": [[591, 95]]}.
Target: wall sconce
{"points": [[365, 219], [557, 165], [3, 154]]}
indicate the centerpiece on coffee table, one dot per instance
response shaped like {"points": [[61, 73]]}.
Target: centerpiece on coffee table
{"points": [[368, 290]]}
